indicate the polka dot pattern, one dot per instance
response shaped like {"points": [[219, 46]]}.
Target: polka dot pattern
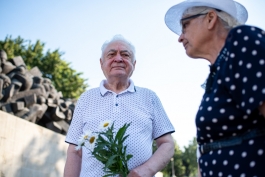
{"points": [[137, 105], [239, 85], [234, 161]]}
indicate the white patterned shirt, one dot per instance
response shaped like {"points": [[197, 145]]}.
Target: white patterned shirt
{"points": [[137, 105]]}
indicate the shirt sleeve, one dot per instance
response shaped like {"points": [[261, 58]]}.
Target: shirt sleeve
{"points": [[246, 67], [76, 126], [161, 122]]}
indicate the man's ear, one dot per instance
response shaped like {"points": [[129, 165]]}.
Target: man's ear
{"points": [[101, 62], [211, 19]]}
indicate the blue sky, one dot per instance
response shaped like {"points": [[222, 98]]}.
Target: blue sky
{"points": [[79, 28]]}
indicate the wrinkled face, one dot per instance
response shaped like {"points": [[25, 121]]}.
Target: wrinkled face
{"points": [[117, 61], [192, 36]]}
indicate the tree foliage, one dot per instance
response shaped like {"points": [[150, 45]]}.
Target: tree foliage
{"points": [[52, 66], [189, 159], [176, 161], [184, 162]]}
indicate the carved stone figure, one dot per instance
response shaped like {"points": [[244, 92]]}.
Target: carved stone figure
{"points": [[28, 95]]}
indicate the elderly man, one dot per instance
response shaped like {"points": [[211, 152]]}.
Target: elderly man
{"points": [[119, 100]]}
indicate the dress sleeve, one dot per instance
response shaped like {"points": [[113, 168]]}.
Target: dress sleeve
{"points": [[161, 122], [245, 69], [76, 127]]}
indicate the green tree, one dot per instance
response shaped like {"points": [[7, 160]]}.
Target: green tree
{"points": [[176, 161], [184, 162], [51, 64], [189, 159]]}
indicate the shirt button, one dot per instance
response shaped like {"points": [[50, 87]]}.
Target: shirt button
{"points": [[117, 95], [116, 104]]}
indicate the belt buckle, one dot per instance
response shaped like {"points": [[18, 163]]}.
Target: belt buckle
{"points": [[201, 149]]}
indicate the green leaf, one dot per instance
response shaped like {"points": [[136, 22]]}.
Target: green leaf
{"points": [[123, 139], [100, 158], [129, 156], [109, 150], [112, 174], [121, 133]]}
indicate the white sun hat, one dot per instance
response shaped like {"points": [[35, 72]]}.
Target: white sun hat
{"points": [[174, 14]]}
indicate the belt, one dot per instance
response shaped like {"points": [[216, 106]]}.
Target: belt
{"points": [[231, 141]]}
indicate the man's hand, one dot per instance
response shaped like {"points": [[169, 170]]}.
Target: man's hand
{"points": [[141, 172], [158, 160]]}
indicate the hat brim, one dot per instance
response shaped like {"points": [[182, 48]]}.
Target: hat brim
{"points": [[174, 14]]}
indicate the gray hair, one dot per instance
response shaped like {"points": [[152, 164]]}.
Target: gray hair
{"points": [[227, 20], [115, 38]]}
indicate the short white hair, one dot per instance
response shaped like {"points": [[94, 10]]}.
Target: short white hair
{"points": [[227, 20], [115, 38]]}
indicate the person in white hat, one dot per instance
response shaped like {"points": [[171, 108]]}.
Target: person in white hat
{"points": [[231, 118]]}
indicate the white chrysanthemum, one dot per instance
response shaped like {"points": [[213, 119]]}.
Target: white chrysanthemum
{"points": [[77, 148], [81, 141], [86, 135], [105, 124], [90, 143]]}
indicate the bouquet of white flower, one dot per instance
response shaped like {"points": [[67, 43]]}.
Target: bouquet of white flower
{"points": [[107, 147]]}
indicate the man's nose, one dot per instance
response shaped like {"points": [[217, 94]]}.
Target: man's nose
{"points": [[118, 58], [181, 38]]}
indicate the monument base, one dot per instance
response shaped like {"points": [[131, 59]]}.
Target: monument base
{"points": [[27, 149]]}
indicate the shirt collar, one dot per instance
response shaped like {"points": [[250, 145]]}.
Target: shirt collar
{"points": [[103, 89]]}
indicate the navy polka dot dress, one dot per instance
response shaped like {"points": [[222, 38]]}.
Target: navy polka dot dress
{"points": [[235, 89]]}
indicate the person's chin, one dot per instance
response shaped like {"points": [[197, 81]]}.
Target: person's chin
{"points": [[118, 73], [191, 54], [118, 70]]}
